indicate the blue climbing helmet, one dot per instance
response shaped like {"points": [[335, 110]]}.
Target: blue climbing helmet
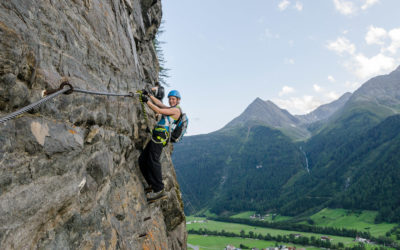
{"points": [[174, 93]]}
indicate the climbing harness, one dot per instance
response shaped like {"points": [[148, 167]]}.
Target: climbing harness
{"points": [[159, 134], [50, 94]]}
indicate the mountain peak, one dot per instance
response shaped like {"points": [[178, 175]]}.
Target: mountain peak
{"points": [[269, 114], [260, 108], [383, 90]]}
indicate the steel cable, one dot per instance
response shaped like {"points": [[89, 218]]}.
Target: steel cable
{"points": [[54, 93], [102, 93], [33, 105]]}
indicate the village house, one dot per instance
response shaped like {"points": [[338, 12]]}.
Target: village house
{"points": [[231, 247], [255, 216], [326, 238], [196, 221], [296, 235], [359, 239]]}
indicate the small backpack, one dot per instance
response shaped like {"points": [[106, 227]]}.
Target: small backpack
{"points": [[180, 128]]}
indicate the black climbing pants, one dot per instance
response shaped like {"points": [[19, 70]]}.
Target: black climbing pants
{"points": [[150, 166]]}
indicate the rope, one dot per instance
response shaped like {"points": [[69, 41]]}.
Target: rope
{"points": [[142, 103], [147, 120], [50, 94]]}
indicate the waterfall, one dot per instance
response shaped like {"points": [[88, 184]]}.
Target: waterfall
{"points": [[305, 156]]}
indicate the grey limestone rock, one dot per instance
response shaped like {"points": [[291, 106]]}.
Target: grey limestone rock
{"points": [[69, 177]]}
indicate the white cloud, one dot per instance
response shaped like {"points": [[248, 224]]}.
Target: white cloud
{"points": [[342, 45], [317, 88], [332, 96], [375, 35], [289, 60], [369, 3], [268, 35], [283, 5], [299, 105], [365, 67], [331, 79], [352, 85], [298, 6], [349, 7], [394, 34], [345, 7], [286, 90]]}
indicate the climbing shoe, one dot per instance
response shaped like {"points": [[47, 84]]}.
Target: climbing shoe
{"points": [[148, 189], [153, 197]]}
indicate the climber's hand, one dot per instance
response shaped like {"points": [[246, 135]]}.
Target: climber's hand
{"points": [[144, 98], [144, 92]]}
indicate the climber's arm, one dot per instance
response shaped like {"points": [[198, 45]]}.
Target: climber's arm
{"points": [[174, 112], [158, 103]]}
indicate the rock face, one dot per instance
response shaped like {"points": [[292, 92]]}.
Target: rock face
{"points": [[69, 177]]}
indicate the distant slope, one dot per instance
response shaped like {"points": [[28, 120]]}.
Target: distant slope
{"points": [[265, 162], [363, 173], [266, 113], [334, 154], [382, 90], [225, 173], [201, 162], [374, 101]]}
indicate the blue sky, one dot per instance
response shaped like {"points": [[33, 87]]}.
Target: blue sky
{"points": [[297, 53]]}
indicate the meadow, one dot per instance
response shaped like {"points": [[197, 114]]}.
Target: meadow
{"points": [[269, 218], [359, 220], [236, 228], [218, 242], [339, 218]]}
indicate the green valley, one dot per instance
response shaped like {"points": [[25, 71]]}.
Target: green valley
{"points": [[213, 233]]}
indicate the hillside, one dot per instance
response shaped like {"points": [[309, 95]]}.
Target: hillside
{"points": [[351, 155], [231, 167], [361, 174]]}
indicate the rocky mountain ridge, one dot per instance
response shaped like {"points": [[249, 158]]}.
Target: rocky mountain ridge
{"points": [[381, 91], [324, 111], [264, 112], [267, 113], [69, 176]]}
